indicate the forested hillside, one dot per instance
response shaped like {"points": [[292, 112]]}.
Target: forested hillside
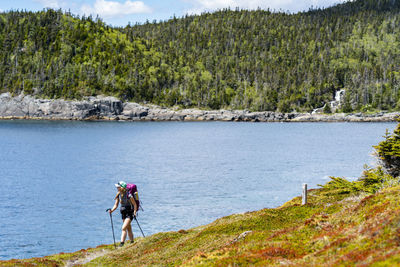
{"points": [[257, 60], [56, 55]]}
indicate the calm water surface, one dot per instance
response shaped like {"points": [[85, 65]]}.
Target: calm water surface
{"points": [[57, 178]]}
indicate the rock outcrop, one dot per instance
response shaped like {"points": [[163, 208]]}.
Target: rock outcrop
{"points": [[111, 108]]}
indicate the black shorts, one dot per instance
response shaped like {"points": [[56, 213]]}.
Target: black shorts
{"points": [[127, 213]]}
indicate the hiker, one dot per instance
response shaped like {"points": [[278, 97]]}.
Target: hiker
{"points": [[128, 210]]}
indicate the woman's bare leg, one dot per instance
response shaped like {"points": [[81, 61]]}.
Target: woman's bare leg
{"points": [[125, 225], [130, 233]]}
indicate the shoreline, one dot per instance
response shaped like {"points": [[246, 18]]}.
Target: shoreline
{"points": [[100, 108]]}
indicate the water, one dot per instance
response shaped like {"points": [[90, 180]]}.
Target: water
{"points": [[57, 178]]}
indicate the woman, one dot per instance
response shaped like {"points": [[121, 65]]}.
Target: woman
{"points": [[128, 210]]}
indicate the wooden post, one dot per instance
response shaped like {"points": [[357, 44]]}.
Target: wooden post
{"points": [[304, 196]]}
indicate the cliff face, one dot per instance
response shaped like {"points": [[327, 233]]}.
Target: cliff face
{"points": [[111, 108], [29, 107]]}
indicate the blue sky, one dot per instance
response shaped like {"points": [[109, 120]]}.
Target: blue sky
{"points": [[120, 12]]}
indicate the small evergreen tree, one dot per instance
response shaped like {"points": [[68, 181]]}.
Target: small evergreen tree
{"points": [[346, 107], [327, 108], [388, 152]]}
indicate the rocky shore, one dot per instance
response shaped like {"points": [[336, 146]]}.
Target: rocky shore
{"points": [[111, 108]]}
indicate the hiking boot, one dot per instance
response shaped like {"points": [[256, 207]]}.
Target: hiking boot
{"points": [[121, 244]]}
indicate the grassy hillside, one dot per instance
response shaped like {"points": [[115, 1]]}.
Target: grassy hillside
{"points": [[344, 223], [258, 60]]}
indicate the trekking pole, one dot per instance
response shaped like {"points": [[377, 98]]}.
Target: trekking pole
{"points": [[112, 227], [138, 225]]}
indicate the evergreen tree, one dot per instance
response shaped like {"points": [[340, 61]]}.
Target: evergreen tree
{"points": [[256, 60]]}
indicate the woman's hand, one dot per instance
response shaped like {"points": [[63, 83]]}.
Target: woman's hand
{"points": [[115, 205], [135, 206]]}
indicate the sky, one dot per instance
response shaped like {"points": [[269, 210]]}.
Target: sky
{"points": [[122, 12]]}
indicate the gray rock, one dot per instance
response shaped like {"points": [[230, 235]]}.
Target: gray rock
{"points": [[111, 108]]}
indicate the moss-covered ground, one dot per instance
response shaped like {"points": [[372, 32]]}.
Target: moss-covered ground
{"points": [[343, 224], [60, 259]]}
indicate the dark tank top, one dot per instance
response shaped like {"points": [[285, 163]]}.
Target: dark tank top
{"points": [[124, 200]]}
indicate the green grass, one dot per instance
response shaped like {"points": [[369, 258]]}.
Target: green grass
{"points": [[337, 227], [344, 224], [56, 259]]}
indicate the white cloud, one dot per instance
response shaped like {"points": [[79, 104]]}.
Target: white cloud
{"points": [[291, 5], [50, 3], [112, 9]]}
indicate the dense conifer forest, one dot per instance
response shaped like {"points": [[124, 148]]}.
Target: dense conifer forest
{"points": [[236, 59]]}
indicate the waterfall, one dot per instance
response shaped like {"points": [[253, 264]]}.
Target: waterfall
{"points": [[335, 104]]}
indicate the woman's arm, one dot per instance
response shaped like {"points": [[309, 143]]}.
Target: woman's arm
{"points": [[115, 204], [132, 199]]}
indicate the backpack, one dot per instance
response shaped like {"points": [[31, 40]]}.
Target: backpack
{"points": [[132, 190]]}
